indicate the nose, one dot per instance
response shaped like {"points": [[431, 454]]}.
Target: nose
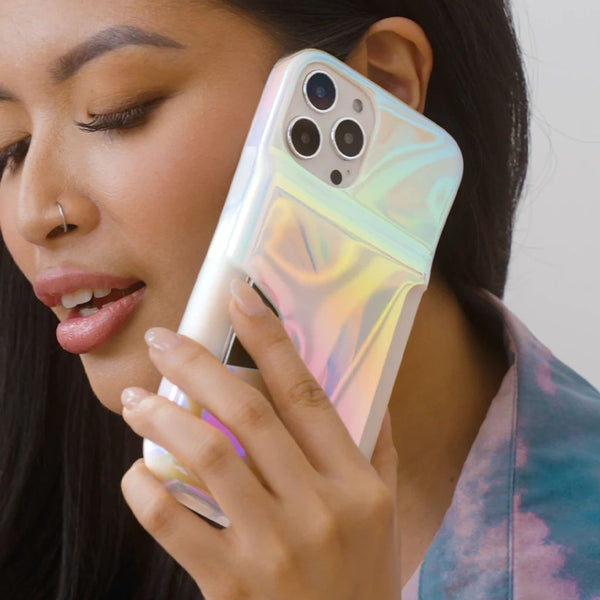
{"points": [[49, 188]]}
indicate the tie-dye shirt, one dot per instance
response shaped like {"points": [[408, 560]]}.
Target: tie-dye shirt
{"points": [[524, 521]]}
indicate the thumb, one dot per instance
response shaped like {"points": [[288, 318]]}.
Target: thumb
{"points": [[385, 456]]}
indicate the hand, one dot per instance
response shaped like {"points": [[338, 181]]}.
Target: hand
{"points": [[320, 521]]}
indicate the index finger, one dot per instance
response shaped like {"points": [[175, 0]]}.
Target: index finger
{"points": [[300, 401]]}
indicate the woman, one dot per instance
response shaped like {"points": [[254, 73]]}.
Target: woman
{"points": [[121, 126]]}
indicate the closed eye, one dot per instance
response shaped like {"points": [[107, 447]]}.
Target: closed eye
{"points": [[13, 156], [126, 119]]}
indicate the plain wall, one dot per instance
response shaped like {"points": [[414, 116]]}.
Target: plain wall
{"points": [[554, 278]]}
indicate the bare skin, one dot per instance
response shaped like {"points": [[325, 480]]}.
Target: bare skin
{"points": [[448, 377], [119, 192]]}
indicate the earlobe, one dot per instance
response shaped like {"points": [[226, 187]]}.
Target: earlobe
{"points": [[395, 53]]}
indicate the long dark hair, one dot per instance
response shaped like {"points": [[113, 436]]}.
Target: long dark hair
{"points": [[65, 531]]}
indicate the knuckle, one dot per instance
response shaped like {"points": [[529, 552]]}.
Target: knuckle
{"points": [[305, 392], [321, 532], [191, 357], [157, 414], [367, 500], [277, 555], [324, 531], [213, 451], [157, 516], [153, 410], [380, 501], [253, 412], [159, 410], [279, 342]]}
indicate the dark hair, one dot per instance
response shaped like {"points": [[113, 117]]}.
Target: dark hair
{"points": [[65, 529]]}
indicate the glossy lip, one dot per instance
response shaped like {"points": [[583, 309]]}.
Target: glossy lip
{"points": [[51, 284], [81, 335]]}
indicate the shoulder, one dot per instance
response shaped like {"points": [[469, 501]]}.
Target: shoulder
{"points": [[556, 474], [524, 521]]}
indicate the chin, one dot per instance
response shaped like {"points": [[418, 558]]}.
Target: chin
{"points": [[109, 373], [107, 384], [124, 361]]}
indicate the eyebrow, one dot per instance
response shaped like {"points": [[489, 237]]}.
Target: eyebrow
{"points": [[100, 43], [105, 41]]}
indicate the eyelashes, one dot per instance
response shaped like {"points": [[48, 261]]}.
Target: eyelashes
{"points": [[126, 119], [14, 155]]}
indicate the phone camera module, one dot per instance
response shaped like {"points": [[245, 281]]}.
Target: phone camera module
{"points": [[304, 137], [348, 138], [320, 91]]}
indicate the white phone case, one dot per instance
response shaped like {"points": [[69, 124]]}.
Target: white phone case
{"points": [[345, 267]]}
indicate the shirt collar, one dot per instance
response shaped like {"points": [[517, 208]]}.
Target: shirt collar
{"points": [[469, 555]]}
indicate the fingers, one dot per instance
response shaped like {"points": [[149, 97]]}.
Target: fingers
{"points": [[199, 548], [300, 402], [237, 405], [281, 440], [207, 453]]}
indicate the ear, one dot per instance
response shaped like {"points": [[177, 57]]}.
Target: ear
{"points": [[395, 53]]}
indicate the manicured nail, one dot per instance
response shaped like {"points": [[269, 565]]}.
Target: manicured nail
{"points": [[247, 299], [131, 397], [161, 338]]}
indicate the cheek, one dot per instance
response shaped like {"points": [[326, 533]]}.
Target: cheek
{"points": [[165, 197], [168, 187]]}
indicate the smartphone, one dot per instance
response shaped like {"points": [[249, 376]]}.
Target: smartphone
{"points": [[334, 215]]}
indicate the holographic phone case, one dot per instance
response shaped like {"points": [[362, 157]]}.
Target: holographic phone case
{"points": [[340, 246]]}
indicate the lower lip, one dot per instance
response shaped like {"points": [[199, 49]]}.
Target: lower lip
{"points": [[80, 335]]}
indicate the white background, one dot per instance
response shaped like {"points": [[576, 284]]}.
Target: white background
{"points": [[554, 277]]}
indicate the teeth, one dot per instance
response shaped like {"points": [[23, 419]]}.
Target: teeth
{"points": [[78, 297], [82, 296]]}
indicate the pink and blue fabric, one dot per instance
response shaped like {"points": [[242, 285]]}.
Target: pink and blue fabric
{"points": [[524, 522]]}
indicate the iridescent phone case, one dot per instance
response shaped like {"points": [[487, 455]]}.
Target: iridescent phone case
{"points": [[344, 267]]}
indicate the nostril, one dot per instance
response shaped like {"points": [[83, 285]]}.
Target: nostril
{"points": [[59, 229]]}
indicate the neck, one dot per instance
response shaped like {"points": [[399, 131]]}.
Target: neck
{"points": [[448, 377]]}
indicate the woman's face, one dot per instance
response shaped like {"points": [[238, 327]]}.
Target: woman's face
{"points": [[145, 200]]}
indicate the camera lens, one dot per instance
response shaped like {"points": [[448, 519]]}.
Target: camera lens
{"points": [[348, 138], [304, 137], [320, 91]]}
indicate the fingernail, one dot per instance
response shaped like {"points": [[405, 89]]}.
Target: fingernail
{"points": [[248, 299], [161, 338], [131, 397]]}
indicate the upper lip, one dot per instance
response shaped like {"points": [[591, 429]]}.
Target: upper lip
{"points": [[50, 285]]}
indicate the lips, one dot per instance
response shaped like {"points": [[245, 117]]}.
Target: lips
{"points": [[82, 334], [53, 283]]}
